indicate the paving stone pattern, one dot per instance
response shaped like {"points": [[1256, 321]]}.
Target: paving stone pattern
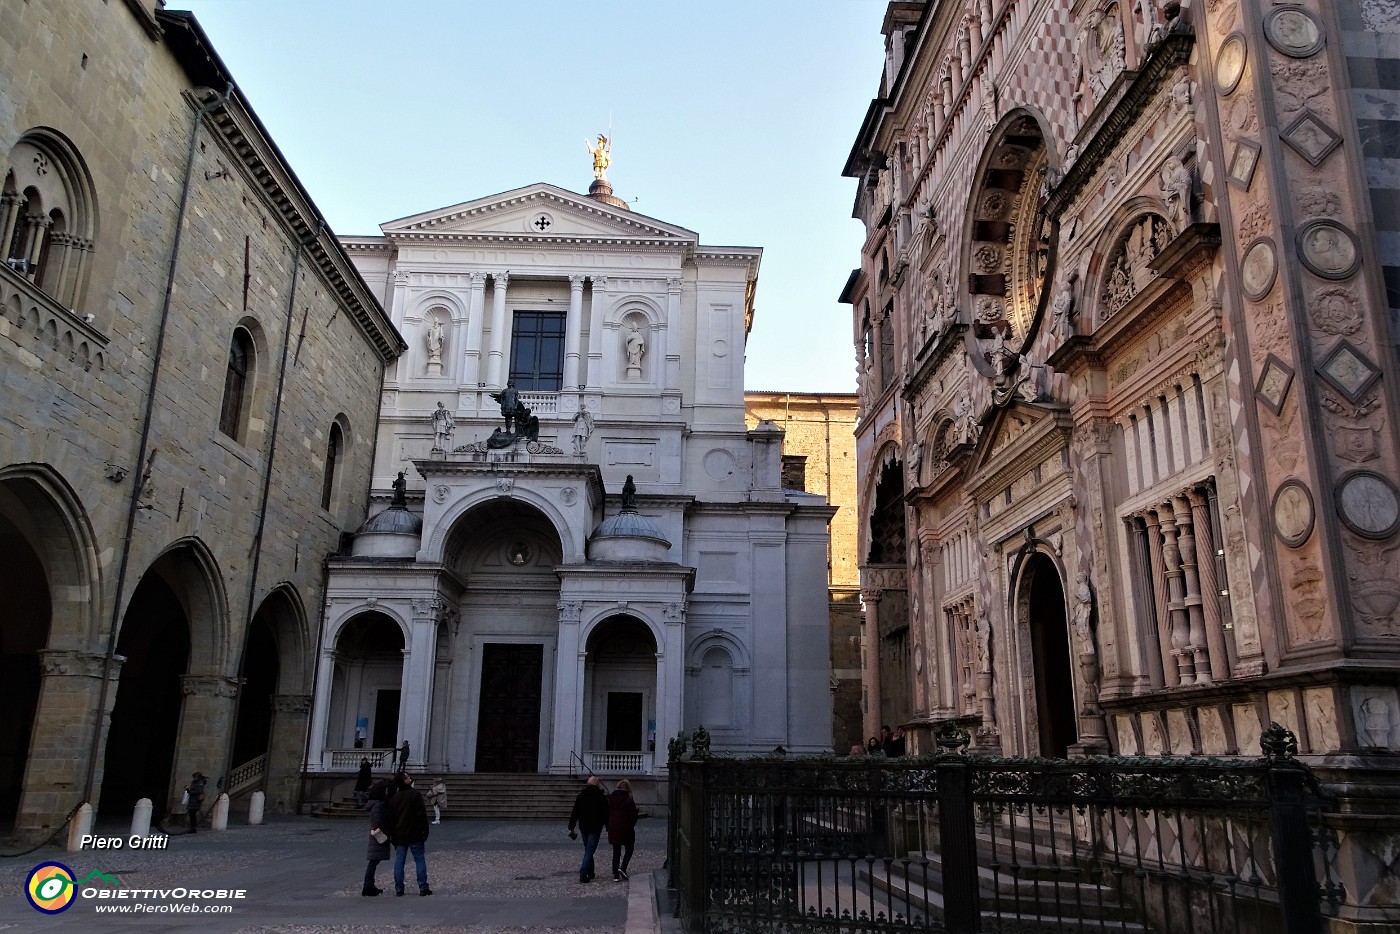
{"points": [[303, 877]]}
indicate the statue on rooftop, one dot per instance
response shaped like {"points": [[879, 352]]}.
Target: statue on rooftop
{"points": [[602, 157]]}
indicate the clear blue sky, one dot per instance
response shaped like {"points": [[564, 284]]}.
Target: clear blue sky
{"points": [[730, 118]]}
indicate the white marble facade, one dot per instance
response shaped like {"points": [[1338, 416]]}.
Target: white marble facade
{"points": [[523, 617]]}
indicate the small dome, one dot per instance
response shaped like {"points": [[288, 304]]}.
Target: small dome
{"points": [[600, 190], [393, 533], [395, 520], [628, 536], [630, 525]]}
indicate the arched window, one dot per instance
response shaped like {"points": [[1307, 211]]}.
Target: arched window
{"points": [[48, 217], [334, 447], [233, 419]]}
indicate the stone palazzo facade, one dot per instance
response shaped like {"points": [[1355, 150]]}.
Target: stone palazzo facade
{"points": [[190, 369], [1128, 438], [587, 550]]}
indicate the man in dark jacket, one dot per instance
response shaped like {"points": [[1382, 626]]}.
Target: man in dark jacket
{"points": [[195, 791], [407, 817], [590, 816]]}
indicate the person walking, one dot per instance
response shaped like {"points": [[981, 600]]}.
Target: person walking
{"points": [[403, 757], [408, 826], [438, 799], [375, 797], [194, 794], [590, 816], [363, 781], [622, 827]]}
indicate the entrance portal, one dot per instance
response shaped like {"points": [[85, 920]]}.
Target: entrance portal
{"points": [[1044, 603], [508, 719], [155, 639]]}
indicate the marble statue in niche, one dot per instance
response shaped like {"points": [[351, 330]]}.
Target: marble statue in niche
{"points": [[434, 340], [634, 345]]}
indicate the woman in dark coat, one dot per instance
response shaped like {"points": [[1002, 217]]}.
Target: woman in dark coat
{"points": [[378, 850], [363, 781], [622, 827]]}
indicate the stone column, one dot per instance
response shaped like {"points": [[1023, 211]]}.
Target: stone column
{"points": [[870, 602], [9, 216], [1210, 585], [495, 362], [69, 687], [206, 721], [670, 683], [416, 690], [39, 226], [1200, 653], [65, 244], [316, 758], [596, 307], [573, 334], [567, 716], [670, 356], [1180, 624], [926, 653], [476, 306], [285, 743], [1159, 598]]}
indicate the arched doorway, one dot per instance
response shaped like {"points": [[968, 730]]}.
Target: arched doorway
{"points": [[619, 695], [507, 551], [142, 737], [1042, 607], [24, 631], [367, 683]]}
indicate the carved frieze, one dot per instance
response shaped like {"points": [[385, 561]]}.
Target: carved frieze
{"points": [[1356, 430]]}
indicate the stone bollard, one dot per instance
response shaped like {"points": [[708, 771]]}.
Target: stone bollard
{"points": [[80, 826], [141, 818], [218, 820], [255, 807]]}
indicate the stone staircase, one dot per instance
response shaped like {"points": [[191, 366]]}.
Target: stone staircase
{"points": [[1021, 887], [487, 796]]}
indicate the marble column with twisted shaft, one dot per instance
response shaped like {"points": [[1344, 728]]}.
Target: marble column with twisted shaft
{"points": [[1210, 585]]}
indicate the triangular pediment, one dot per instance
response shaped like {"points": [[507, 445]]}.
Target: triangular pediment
{"points": [[1012, 432], [538, 212]]}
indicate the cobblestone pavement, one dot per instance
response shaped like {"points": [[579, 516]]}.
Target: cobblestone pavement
{"points": [[302, 876]]}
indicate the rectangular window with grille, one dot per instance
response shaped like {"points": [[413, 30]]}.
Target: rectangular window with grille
{"points": [[537, 351]]}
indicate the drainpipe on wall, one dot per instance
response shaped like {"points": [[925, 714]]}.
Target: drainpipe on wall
{"points": [[325, 586], [141, 454], [256, 550]]}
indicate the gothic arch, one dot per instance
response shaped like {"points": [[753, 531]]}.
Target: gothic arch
{"points": [[189, 568], [57, 528], [47, 180]]}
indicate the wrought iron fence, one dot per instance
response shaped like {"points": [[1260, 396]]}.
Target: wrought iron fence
{"points": [[970, 843]]}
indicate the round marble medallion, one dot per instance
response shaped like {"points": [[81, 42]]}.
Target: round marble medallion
{"points": [[1258, 268], [719, 464], [1293, 513], [1293, 31], [1328, 249], [1229, 63], [1368, 504]]}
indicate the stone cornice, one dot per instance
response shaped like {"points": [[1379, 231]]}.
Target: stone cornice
{"points": [[460, 466], [539, 192], [246, 140]]}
